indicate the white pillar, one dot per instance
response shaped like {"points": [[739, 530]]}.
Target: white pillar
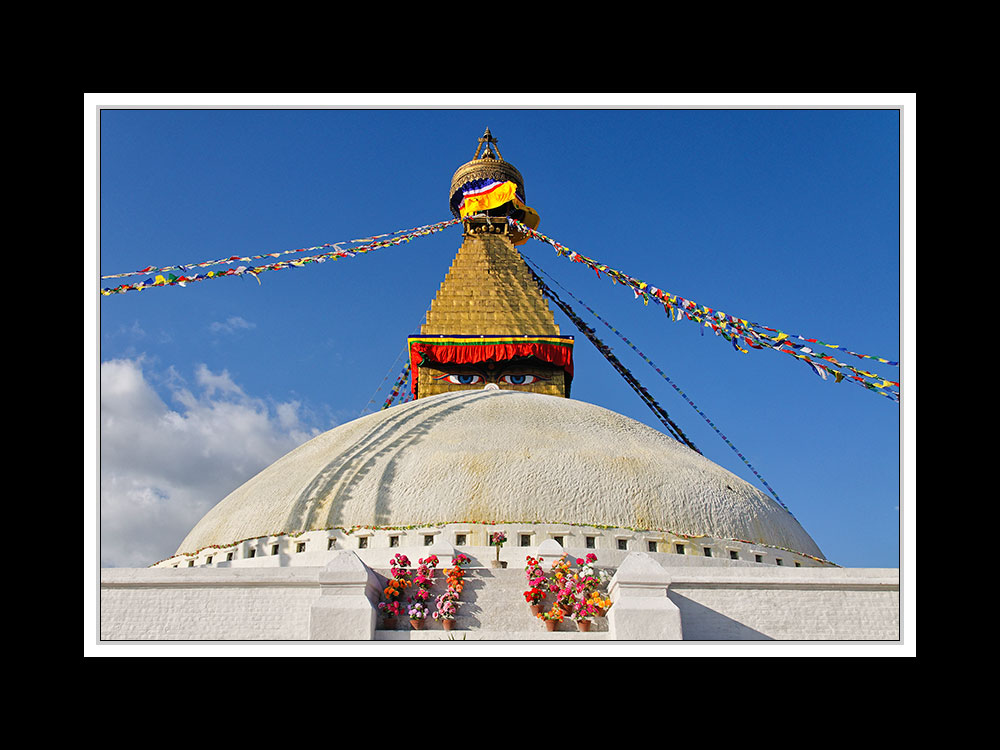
{"points": [[444, 551], [551, 550], [641, 609], [346, 607]]}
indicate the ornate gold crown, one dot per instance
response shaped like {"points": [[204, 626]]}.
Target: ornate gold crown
{"points": [[488, 166]]}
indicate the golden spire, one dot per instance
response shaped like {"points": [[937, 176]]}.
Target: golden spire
{"points": [[489, 290], [490, 323]]}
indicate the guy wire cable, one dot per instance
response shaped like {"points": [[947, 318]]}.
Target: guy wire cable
{"points": [[676, 432]]}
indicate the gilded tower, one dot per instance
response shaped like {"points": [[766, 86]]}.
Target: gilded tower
{"points": [[489, 325]]}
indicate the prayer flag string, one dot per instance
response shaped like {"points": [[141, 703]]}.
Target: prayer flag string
{"points": [[397, 387], [671, 382], [170, 279], [738, 331], [392, 368]]}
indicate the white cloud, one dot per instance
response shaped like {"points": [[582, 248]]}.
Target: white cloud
{"points": [[163, 466], [232, 324]]}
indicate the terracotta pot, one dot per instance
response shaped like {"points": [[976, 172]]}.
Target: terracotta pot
{"points": [[550, 625], [583, 626], [447, 624], [417, 624], [389, 623], [535, 608], [600, 612]]}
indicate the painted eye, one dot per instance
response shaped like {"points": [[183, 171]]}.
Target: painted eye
{"points": [[519, 379], [461, 379]]}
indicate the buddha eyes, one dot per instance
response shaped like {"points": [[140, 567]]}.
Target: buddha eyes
{"points": [[519, 379], [462, 379], [474, 379]]}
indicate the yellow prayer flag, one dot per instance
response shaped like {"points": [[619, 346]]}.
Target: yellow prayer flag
{"points": [[497, 196]]}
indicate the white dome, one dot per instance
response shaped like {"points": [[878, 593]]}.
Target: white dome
{"points": [[498, 456]]}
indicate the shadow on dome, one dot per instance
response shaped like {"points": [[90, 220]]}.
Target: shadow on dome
{"points": [[316, 507]]}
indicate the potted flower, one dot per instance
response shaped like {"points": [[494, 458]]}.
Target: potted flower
{"points": [[497, 539], [454, 579], [534, 573], [533, 570], [390, 611], [393, 589], [583, 613], [552, 618], [559, 567], [417, 614], [566, 597], [534, 596], [446, 609], [562, 585], [399, 566], [537, 583], [600, 602], [447, 604], [587, 575], [424, 578]]}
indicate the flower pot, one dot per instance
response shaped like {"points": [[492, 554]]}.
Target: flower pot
{"points": [[447, 624], [600, 612], [417, 624], [550, 625], [389, 623], [583, 626], [535, 608]]}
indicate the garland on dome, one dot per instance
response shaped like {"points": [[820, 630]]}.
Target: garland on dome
{"points": [[164, 278], [737, 330], [672, 385]]}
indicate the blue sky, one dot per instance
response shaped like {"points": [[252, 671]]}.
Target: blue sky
{"points": [[787, 217]]}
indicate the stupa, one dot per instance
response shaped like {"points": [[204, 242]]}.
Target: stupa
{"points": [[493, 443], [492, 440]]}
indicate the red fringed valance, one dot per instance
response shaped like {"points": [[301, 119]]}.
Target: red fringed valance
{"points": [[556, 350]]}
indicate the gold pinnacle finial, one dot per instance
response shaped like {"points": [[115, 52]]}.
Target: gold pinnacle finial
{"points": [[489, 140]]}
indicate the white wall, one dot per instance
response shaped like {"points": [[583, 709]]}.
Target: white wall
{"points": [[206, 604], [813, 604], [336, 602]]}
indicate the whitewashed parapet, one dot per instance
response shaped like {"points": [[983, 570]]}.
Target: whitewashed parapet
{"points": [[788, 604]]}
